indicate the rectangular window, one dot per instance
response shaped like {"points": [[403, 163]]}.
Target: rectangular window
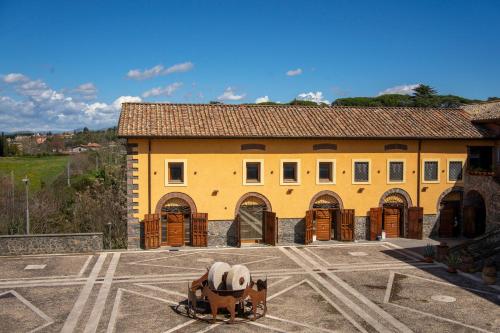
{"points": [[325, 171], [455, 169], [253, 172], [290, 172], [361, 172], [431, 171], [175, 172], [396, 171]]}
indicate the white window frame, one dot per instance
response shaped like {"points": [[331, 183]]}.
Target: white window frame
{"points": [[333, 162], [389, 181], [282, 174], [448, 180], [245, 161], [438, 171], [369, 171], [184, 169]]}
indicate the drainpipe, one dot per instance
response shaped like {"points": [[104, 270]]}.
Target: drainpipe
{"points": [[149, 176], [418, 172]]}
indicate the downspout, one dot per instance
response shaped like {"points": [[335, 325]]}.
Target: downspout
{"points": [[149, 176], [418, 172]]}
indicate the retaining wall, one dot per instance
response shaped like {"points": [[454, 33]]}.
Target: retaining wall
{"points": [[50, 243]]}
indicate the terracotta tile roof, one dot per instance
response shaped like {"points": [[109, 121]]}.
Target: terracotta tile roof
{"points": [[484, 111], [291, 121]]}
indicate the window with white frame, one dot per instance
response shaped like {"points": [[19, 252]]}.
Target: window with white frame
{"points": [[290, 172], [325, 172], [395, 171], [175, 172], [455, 170], [361, 172], [431, 171], [253, 173]]}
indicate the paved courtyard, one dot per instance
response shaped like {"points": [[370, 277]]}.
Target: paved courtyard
{"points": [[367, 287]]}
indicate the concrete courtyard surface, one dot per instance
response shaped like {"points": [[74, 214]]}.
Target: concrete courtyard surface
{"points": [[366, 287]]}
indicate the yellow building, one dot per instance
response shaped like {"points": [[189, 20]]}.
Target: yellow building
{"points": [[373, 170]]}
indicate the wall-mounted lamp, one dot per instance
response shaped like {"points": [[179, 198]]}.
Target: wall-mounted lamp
{"points": [[361, 189], [343, 171], [234, 172], [154, 173], [215, 192], [289, 191], [272, 172], [378, 171], [413, 171], [308, 172], [424, 189], [195, 172]]}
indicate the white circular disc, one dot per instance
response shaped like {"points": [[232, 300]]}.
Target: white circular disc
{"points": [[443, 298], [216, 272], [236, 275]]}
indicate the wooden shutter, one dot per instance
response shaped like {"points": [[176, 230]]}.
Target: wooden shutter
{"points": [[469, 221], [237, 221], [199, 229], [345, 224], [270, 228], [308, 227], [415, 222], [151, 231], [391, 222], [446, 221], [323, 224], [175, 229], [375, 222]]}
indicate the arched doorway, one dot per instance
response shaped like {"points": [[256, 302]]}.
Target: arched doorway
{"points": [[250, 212], [175, 210], [395, 203], [474, 214], [450, 208], [323, 206]]}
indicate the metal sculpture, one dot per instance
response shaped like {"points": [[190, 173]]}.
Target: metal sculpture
{"points": [[233, 296]]}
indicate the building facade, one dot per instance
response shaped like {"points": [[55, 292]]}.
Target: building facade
{"points": [[235, 163]]}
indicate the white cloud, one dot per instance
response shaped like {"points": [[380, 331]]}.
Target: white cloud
{"points": [[406, 89], [14, 78], [230, 95], [294, 72], [316, 97], [86, 90], [40, 107], [158, 70], [263, 99], [166, 91]]}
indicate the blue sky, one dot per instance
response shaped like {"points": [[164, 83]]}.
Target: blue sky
{"points": [[69, 64]]}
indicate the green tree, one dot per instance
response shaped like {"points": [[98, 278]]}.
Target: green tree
{"points": [[425, 91]]}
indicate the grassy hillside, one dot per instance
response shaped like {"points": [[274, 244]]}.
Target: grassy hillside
{"points": [[39, 169]]}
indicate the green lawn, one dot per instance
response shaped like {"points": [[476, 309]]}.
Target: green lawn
{"points": [[37, 169]]}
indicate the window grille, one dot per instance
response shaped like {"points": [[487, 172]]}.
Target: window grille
{"points": [[396, 171], [455, 171], [431, 171], [361, 171]]}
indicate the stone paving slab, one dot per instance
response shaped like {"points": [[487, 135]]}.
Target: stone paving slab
{"points": [[345, 287]]}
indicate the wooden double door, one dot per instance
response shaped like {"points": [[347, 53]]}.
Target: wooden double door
{"points": [[322, 221], [391, 220], [449, 219], [170, 230], [269, 229]]}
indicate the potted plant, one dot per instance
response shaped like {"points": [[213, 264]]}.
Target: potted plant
{"points": [[453, 261], [429, 253], [489, 272]]}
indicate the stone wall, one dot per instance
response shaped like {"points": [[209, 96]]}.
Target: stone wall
{"points": [[222, 233], [490, 191], [50, 243], [361, 227], [430, 225], [133, 225], [291, 231]]}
